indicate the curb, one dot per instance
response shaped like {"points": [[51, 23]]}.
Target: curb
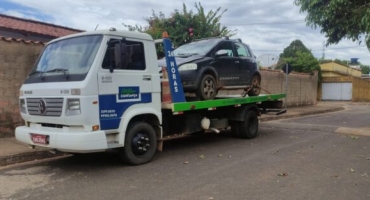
{"points": [[29, 156], [271, 118]]}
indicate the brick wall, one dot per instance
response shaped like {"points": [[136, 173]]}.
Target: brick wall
{"points": [[16, 60], [360, 90]]}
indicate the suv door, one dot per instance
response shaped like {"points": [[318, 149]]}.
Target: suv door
{"points": [[226, 64], [247, 63]]}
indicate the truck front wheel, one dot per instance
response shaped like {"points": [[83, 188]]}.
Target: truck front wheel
{"points": [[140, 144], [248, 128]]}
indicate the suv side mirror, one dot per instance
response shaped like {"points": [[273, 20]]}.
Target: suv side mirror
{"points": [[221, 53]]}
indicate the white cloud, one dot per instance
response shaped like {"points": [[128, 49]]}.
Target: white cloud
{"points": [[86, 14]]}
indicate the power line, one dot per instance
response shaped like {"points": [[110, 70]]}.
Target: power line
{"points": [[266, 23], [349, 47]]}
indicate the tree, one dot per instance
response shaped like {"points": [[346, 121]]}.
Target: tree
{"points": [[365, 69], [300, 58], [294, 47], [185, 26], [338, 19]]}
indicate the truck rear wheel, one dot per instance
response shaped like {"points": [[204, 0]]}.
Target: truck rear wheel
{"points": [[140, 144], [248, 128], [256, 86]]}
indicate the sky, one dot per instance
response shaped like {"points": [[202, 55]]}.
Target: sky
{"points": [[268, 26]]}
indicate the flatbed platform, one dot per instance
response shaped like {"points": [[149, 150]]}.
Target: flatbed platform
{"points": [[221, 101]]}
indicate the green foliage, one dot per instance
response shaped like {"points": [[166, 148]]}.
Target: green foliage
{"points": [[365, 69], [178, 24], [338, 19], [294, 47], [300, 58], [342, 62], [303, 62]]}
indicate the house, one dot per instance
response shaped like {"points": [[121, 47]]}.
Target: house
{"points": [[21, 41], [334, 69], [343, 83]]}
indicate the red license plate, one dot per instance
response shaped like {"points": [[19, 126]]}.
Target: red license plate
{"points": [[39, 139]]}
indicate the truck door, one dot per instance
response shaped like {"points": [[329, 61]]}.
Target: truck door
{"points": [[130, 82]]}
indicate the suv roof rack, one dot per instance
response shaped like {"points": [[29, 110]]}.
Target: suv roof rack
{"points": [[220, 37], [207, 38]]}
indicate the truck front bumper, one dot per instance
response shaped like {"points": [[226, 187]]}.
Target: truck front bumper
{"points": [[65, 141]]}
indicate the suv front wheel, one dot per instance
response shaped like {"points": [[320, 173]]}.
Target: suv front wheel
{"points": [[207, 89]]}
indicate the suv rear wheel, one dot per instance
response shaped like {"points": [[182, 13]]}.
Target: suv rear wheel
{"points": [[256, 86], [207, 89]]}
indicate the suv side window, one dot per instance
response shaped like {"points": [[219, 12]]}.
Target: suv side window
{"points": [[226, 46], [132, 59], [242, 51]]}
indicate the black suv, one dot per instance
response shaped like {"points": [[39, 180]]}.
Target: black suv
{"points": [[213, 64]]}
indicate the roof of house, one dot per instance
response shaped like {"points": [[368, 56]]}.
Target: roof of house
{"points": [[331, 62], [35, 27], [20, 40]]}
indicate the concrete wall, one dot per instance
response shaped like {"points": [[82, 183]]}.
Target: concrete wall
{"points": [[16, 60], [302, 88]]}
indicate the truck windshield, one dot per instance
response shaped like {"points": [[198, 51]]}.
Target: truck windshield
{"points": [[201, 47], [73, 56]]}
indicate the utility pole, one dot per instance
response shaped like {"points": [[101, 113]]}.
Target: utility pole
{"points": [[323, 50]]}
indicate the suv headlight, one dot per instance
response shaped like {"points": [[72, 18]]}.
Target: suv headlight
{"points": [[22, 105], [73, 107], [188, 66]]}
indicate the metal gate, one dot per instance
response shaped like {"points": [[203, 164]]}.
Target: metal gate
{"points": [[337, 91]]}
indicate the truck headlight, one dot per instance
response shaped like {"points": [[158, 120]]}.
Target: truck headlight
{"points": [[73, 107], [22, 105], [188, 66]]}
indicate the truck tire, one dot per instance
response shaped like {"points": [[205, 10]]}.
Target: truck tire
{"points": [[140, 144], [235, 129], [248, 128], [207, 89], [256, 86]]}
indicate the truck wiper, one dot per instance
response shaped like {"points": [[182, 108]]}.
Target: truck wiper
{"points": [[41, 74], [65, 71], [36, 72]]}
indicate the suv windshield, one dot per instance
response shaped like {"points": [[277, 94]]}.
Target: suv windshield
{"points": [[201, 47], [72, 56]]}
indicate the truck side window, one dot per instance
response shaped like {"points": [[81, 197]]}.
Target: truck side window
{"points": [[132, 59]]}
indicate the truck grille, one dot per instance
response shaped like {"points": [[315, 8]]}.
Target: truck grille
{"points": [[45, 106]]}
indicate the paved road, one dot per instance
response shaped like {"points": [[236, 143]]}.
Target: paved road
{"points": [[302, 158]]}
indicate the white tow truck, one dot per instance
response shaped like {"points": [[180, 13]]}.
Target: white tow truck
{"points": [[100, 90]]}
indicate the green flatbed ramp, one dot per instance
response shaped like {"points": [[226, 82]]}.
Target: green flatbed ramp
{"points": [[220, 102]]}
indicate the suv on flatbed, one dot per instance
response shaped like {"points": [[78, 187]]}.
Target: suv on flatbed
{"points": [[212, 64]]}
